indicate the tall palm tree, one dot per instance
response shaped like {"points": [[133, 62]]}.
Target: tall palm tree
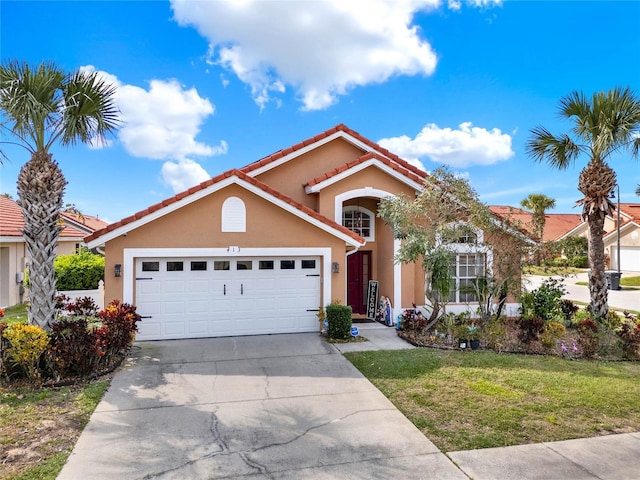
{"points": [[607, 122], [40, 107], [538, 204]]}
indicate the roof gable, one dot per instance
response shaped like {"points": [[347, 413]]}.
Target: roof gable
{"points": [[370, 159], [211, 186], [339, 131]]}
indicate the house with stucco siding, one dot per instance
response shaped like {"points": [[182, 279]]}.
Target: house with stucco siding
{"points": [[260, 249]]}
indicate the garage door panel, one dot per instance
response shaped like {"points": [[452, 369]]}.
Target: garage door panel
{"points": [[223, 297]]}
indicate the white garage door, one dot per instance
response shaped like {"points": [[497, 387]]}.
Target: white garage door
{"points": [[213, 297], [630, 259]]}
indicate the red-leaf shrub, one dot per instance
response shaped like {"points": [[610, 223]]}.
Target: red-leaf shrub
{"points": [[629, 335], [529, 329], [74, 351], [588, 339], [119, 324]]}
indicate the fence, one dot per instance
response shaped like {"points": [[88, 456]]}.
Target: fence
{"points": [[97, 295]]}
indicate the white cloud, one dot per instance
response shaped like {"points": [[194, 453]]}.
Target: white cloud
{"points": [[163, 121], [183, 174], [321, 49], [459, 148]]}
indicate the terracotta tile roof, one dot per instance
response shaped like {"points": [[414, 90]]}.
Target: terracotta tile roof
{"points": [[90, 222], [364, 158], [207, 183], [338, 128], [12, 221], [556, 224], [631, 209]]}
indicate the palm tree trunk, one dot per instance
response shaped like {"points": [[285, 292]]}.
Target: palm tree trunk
{"points": [[597, 281], [40, 191]]}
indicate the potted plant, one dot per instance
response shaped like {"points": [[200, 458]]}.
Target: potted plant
{"points": [[461, 333], [474, 335]]}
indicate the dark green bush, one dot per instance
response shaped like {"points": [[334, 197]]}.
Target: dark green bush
{"points": [[339, 318], [80, 271], [579, 261]]}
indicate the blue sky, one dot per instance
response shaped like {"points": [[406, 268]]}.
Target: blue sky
{"points": [[208, 86]]}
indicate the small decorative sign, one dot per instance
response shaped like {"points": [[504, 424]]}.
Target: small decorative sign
{"points": [[354, 331], [372, 299]]}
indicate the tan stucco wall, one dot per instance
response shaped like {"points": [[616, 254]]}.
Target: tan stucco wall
{"points": [[198, 225], [291, 177], [12, 261]]}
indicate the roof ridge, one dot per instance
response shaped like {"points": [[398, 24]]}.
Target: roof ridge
{"points": [[212, 181]]}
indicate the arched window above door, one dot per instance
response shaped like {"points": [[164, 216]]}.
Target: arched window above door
{"points": [[359, 220]]}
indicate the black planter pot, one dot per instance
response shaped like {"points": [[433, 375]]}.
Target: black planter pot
{"points": [[463, 343], [475, 344]]}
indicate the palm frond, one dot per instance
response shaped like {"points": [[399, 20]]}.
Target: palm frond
{"points": [[90, 111], [559, 152], [29, 99]]}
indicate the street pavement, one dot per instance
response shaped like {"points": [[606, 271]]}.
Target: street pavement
{"points": [[621, 299], [292, 407]]}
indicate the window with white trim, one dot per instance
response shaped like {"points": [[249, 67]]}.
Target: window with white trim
{"points": [[359, 220], [234, 215], [465, 269]]}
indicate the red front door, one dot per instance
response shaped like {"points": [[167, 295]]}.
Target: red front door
{"points": [[358, 276]]}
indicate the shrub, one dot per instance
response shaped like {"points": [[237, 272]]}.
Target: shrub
{"points": [[568, 310], [80, 271], [119, 327], [497, 334], [543, 302], [339, 318], [629, 340], [588, 339], [551, 333], [529, 329], [26, 344], [579, 261], [74, 351]]}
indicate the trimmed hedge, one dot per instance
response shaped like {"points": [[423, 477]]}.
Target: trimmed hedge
{"points": [[339, 318], [80, 271]]}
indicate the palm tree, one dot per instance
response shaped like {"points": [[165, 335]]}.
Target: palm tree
{"points": [[40, 107], [638, 190], [538, 204], [607, 122]]}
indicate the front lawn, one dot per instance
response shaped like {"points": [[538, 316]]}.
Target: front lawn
{"points": [[15, 314], [39, 427], [630, 281], [468, 400]]}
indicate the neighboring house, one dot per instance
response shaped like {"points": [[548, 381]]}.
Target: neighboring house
{"points": [[258, 250], [629, 237], [556, 226], [559, 226], [13, 249]]}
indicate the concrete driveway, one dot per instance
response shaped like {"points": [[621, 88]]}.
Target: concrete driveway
{"points": [[275, 406]]}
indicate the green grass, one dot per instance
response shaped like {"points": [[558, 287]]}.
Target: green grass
{"points": [[546, 271], [27, 415], [15, 314], [468, 400], [630, 281]]}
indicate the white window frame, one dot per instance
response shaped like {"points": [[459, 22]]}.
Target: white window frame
{"points": [[361, 210], [470, 249]]}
